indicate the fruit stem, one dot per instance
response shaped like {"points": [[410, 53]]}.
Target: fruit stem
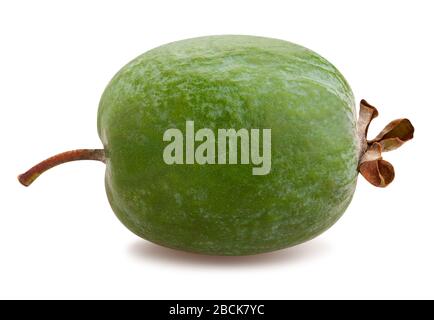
{"points": [[30, 175]]}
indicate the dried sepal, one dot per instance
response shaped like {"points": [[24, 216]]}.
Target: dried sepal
{"points": [[373, 168], [372, 153], [379, 173], [395, 134], [390, 144], [366, 114]]}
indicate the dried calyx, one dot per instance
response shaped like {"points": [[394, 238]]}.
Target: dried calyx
{"points": [[377, 171]]}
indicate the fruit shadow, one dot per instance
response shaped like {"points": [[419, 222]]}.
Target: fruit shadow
{"points": [[151, 252]]}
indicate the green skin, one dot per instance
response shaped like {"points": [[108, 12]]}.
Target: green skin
{"points": [[230, 82]]}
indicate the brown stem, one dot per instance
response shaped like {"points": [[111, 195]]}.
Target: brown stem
{"points": [[371, 164], [29, 176]]}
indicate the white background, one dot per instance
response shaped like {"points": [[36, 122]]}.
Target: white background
{"points": [[59, 237]]}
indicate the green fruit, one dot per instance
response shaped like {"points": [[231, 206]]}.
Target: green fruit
{"points": [[223, 82]]}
